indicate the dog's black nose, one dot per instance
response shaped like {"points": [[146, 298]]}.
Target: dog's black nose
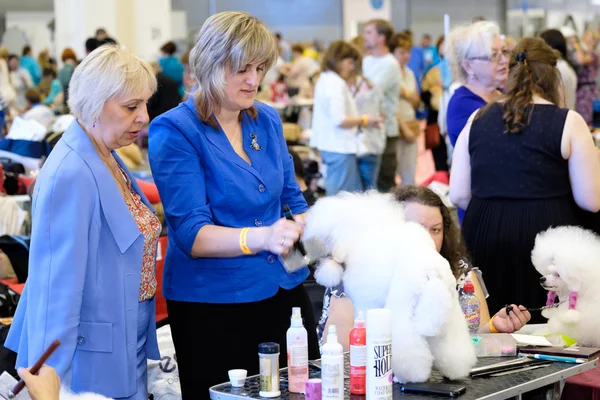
{"points": [[542, 279]]}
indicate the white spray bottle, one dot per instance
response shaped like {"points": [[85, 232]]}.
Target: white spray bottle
{"points": [[297, 353], [332, 367]]}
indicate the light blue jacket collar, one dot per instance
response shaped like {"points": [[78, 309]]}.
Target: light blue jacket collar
{"points": [[122, 224]]}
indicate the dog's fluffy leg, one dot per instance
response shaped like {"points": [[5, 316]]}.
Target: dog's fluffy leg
{"points": [[411, 358], [453, 350], [433, 308]]}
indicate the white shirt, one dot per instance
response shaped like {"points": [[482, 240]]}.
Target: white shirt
{"points": [[569, 78], [42, 114], [333, 103], [408, 82], [384, 72]]}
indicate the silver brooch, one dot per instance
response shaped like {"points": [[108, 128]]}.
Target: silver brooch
{"points": [[254, 144]]}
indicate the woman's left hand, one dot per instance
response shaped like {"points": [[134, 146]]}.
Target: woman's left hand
{"points": [[301, 218], [513, 321]]}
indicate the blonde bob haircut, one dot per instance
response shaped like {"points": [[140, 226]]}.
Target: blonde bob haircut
{"points": [[107, 73], [464, 42], [227, 43]]}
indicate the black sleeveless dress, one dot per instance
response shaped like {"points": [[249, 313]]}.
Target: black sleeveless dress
{"points": [[520, 186]]}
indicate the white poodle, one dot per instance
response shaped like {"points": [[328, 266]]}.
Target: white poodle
{"points": [[568, 258], [385, 262]]}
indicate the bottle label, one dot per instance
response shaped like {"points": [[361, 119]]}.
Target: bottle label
{"points": [[332, 377], [379, 371], [358, 356], [471, 312], [266, 382], [298, 356]]}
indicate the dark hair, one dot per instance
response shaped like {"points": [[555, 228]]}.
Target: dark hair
{"points": [[402, 40], [298, 166], [26, 50], [100, 30], [532, 70], [91, 44], [11, 56], [439, 42], [453, 248], [297, 48], [426, 36], [277, 36], [556, 40], [169, 48], [33, 96], [338, 51], [384, 28], [107, 40], [48, 72]]}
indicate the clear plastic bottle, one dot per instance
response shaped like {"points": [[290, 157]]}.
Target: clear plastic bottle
{"points": [[332, 367], [297, 353], [470, 307]]}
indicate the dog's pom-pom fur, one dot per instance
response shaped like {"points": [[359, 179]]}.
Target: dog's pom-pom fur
{"points": [[434, 308], [548, 313], [329, 273], [570, 317]]}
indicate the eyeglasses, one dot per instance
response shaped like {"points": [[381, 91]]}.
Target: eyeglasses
{"points": [[494, 57]]}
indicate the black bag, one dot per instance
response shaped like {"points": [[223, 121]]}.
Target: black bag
{"points": [[8, 358], [16, 249], [12, 167]]}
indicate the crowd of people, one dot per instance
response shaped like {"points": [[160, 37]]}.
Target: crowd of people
{"points": [[512, 121]]}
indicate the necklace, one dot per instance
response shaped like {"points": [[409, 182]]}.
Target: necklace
{"points": [[114, 169]]}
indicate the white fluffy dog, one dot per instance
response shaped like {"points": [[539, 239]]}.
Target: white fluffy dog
{"points": [[568, 258], [393, 264]]}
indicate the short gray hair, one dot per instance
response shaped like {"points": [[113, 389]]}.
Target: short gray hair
{"points": [[472, 40], [227, 40], [104, 74]]}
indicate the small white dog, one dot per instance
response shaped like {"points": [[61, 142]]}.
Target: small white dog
{"points": [[568, 258], [385, 262]]}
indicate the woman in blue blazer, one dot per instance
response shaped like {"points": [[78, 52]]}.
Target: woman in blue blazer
{"points": [[91, 277], [224, 173]]}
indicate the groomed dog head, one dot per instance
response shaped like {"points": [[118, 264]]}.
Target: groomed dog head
{"points": [[567, 257], [354, 228]]}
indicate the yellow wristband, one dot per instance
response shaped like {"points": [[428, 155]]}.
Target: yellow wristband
{"points": [[243, 244], [492, 327], [365, 120]]}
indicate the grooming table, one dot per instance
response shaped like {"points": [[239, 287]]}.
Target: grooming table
{"points": [[502, 387]]}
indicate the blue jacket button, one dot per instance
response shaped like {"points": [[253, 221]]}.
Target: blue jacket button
{"points": [[257, 222], [261, 188], [271, 259], [81, 340]]}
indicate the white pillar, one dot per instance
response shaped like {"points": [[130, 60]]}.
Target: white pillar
{"points": [[358, 12], [140, 25]]}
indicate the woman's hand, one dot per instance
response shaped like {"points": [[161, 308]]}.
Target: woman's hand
{"points": [[512, 321], [281, 236], [373, 121], [43, 386]]}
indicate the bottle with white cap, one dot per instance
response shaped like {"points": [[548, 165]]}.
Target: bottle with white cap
{"points": [[332, 367], [379, 354], [297, 353]]}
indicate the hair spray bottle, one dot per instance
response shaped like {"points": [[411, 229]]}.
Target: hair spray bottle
{"points": [[379, 354]]}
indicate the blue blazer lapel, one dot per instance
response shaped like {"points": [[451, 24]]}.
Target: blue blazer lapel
{"points": [[250, 128], [218, 139], [120, 221]]}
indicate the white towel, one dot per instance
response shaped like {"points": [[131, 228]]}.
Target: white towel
{"points": [[12, 217]]}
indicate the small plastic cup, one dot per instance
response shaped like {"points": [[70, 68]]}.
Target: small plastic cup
{"points": [[237, 377]]}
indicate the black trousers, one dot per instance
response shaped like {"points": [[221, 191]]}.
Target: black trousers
{"points": [[387, 171], [210, 339]]}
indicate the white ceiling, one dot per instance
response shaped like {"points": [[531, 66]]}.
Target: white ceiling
{"points": [[26, 5]]}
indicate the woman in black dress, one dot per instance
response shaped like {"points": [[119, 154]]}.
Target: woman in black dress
{"points": [[521, 166]]}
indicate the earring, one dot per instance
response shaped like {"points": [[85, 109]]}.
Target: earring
{"points": [[93, 126]]}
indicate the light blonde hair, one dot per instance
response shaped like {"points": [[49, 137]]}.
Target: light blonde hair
{"points": [[595, 35], [104, 74], [228, 41], [467, 41]]}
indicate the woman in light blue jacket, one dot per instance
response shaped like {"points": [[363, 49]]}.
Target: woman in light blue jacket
{"points": [[92, 277]]}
